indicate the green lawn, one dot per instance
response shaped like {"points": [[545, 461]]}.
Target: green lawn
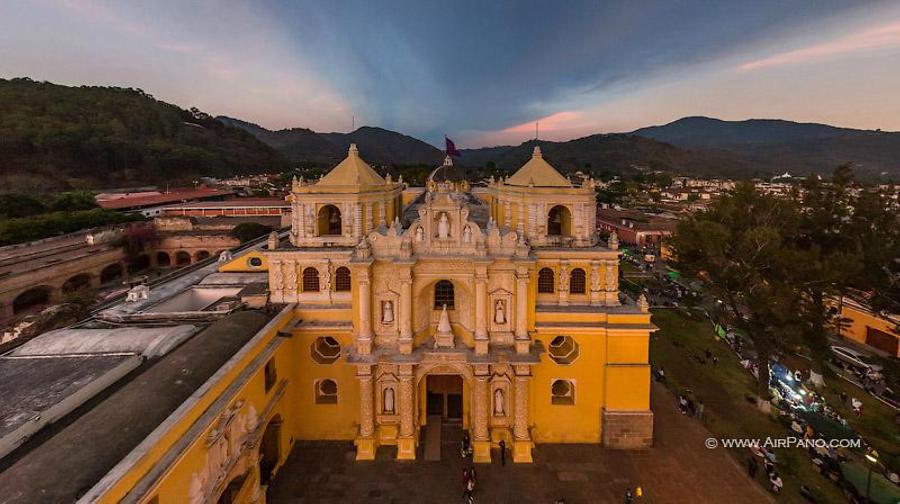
{"points": [[724, 389]]}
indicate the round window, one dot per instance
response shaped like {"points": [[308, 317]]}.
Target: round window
{"points": [[254, 262]]}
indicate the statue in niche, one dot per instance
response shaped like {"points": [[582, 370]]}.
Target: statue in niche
{"points": [[388, 403], [467, 235], [420, 234], [387, 312], [499, 312], [498, 403], [443, 338], [443, 226]]}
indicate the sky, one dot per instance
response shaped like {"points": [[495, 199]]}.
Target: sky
{"points": [[482, 72]]}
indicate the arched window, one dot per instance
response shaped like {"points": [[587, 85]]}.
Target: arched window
{"points": [[342, 279], [559, 221], [310, 280], [545, 281], [577, 284], [182, 258], [329, 221], [443, 295]]}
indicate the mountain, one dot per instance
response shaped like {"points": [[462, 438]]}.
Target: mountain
{"points": [[378, 145], [298, 145], [615, 153], [383, 146], [57, 137], [786, 145]]}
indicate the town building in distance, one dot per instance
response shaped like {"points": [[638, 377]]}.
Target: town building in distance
{"points": [[383, 312]]}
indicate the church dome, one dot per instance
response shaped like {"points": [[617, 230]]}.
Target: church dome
{"points": [[352, 171], [539, 173]]}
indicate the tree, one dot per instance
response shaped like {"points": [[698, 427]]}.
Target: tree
{"points": [[72, 201], [247, 231], [737, 244], [875, 226], [823, 260]]}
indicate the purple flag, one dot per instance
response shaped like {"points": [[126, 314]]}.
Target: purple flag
{"points": [[451, 147]]}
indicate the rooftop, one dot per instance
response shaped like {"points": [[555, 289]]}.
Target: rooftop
{"points": [[65, 460], [146, 199]]}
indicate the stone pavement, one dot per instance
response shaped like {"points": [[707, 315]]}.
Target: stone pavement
{"points": [[678, 469]]}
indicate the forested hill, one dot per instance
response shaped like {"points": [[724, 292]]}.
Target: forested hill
{"points": [[58, 137], [787, 145]]}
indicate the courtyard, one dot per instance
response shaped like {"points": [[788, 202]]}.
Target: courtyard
{"points": [[677, 469]]}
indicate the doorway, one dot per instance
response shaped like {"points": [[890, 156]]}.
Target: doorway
{"points": [[444, 397]]}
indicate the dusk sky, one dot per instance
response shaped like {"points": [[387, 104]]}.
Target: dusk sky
{"points": [[483, 71]]}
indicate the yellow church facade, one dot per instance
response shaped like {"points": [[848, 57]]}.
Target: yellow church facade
{"points": [[494, 306]]}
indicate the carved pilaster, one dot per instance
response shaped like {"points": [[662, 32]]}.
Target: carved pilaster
{"points": [[406, 444], [481, 407], [597, 296], [406, 336], [365, 442], [522, 339], [364, 343], [564, 283], [357, 212], [290, 281], [522, 443], [611, 267], [276, 281], [481, 335]]}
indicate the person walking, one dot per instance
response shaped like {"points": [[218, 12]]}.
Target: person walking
{"points": [[629, 496], [752, 466], [700, 410], [502, 452]]}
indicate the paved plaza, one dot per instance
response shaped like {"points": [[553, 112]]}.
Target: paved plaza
{"points": [[678, 469]]}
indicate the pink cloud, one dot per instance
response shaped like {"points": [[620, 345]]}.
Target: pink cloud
{"points": [[873, 38], [557, 126]]}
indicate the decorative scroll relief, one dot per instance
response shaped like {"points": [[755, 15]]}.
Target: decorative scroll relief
{"points": [[595, 277], [610, 267], [231, 436]]}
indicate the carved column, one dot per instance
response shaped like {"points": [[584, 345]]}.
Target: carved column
{"points": [[563, 283], [596, 284], [382, 214], [406, 443], [365, 443], [291, 285], [276, 281], [481, 407], [364, 343], [522, 443], [611, 267], [406, 335], [522, 339], [481, 335]]}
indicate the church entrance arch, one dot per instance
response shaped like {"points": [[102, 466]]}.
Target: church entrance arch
{"points": [[444, 388], [444, 397]]}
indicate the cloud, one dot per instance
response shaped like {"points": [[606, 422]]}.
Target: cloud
{"points": [[882, 37]]}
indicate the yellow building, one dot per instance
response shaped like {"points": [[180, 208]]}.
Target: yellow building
{"points": [[495, 307], [877, 330], [385, 310]]}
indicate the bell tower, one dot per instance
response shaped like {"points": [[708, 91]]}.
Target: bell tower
{"points": [[340, 208]]}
